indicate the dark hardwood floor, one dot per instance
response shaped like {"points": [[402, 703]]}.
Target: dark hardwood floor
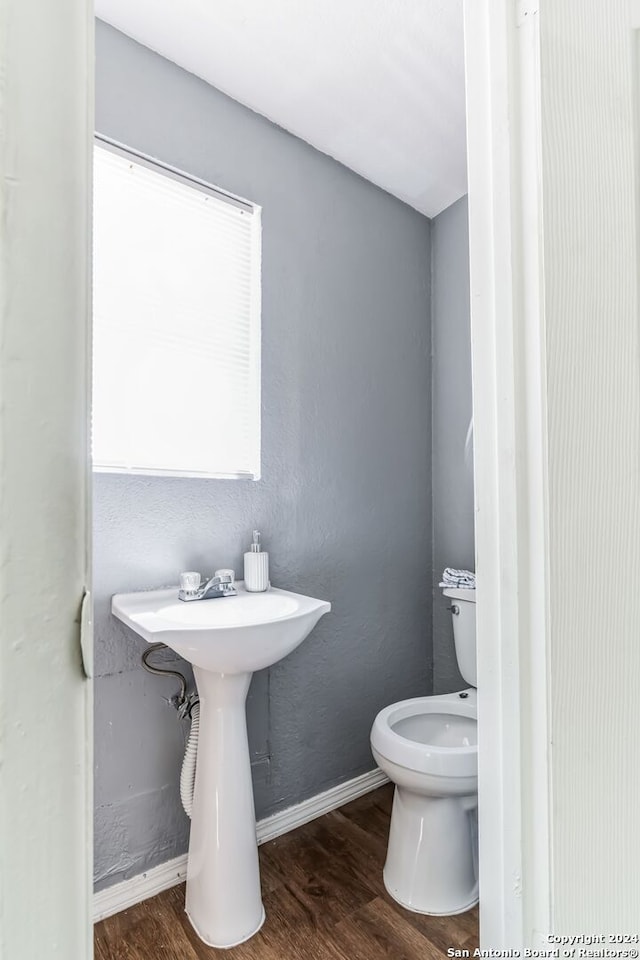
{"points": [[324, 899]]}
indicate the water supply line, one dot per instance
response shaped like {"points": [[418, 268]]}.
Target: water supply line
{"points": [[187, 706], [163, 672]]}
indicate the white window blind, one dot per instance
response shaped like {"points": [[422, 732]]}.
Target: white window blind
{"points": [[176, 341]]}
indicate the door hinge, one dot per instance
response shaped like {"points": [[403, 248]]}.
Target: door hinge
{"points": [[86, 634]]}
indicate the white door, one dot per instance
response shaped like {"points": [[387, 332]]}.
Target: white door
{"points": [[46, 105], [553, 167]]}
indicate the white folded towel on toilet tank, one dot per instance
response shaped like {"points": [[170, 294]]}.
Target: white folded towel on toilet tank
{"points": [[459, 579]]}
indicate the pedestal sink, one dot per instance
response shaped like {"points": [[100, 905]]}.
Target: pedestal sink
{"points": [[225, 639]]}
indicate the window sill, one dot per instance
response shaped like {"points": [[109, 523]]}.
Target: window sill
{"points": [[188, 474]]}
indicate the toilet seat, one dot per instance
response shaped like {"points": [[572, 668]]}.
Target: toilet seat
{"points": [[435, 735]]}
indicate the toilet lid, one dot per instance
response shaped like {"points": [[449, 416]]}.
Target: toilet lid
{"points": [[436, 735]]}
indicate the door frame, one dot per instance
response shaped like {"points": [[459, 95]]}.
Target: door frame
{"points": [[48, 103], [511, 496], [46, 748]]}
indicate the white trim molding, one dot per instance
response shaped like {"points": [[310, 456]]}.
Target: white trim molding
{"points": [[510, 428], [126, 894], [552, 114], [46, 749]]}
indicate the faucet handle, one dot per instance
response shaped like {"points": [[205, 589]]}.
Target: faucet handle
{"points": [[190, 581], [226, 573]]}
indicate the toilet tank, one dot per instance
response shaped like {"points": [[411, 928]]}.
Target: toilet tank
{"points": [[463, 614]]}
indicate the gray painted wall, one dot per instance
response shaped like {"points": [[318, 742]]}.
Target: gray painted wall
{"points": [[452, 484], [344, 503]]}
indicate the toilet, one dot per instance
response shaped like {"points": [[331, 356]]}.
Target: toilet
{"points": [[428, 747]]}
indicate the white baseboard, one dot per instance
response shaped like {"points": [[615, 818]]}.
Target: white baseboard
{"points": [[292, 817], [123, 895], [129, 892]]}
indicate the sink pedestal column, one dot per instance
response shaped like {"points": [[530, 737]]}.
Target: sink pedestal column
{"points": [[224, 903]]}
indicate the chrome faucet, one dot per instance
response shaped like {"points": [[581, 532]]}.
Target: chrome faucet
{"points": [[221, 584]]}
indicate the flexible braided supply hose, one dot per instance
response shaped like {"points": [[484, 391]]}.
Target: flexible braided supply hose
{"points": [[163, 671]]}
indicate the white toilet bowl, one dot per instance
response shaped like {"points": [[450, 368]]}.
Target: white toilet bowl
{"points": [[428, 747]]}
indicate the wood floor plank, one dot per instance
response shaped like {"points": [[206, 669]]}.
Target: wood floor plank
{"points": [[289, 931], [324, 898], [270, 878], [328, 888], [377, 932], [459, 931], [244, 951], [366, 851], [148, 933], [373, 816], [292, 930]]}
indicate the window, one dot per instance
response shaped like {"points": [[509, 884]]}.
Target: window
{"points": [[176, 342]]}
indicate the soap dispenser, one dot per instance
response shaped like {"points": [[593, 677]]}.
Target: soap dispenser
{"points": [[256, 567]]}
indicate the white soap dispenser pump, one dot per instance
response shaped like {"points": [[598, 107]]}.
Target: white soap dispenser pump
{"points": [[256, 567]]}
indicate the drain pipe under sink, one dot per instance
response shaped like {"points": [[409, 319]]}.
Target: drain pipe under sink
{"points": [[188, 772]]}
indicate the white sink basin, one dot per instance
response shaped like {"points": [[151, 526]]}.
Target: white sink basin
{"points": [[225, 639], [228, 634]]}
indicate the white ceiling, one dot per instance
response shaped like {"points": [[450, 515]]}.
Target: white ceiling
{"points": [[377, 84]]}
